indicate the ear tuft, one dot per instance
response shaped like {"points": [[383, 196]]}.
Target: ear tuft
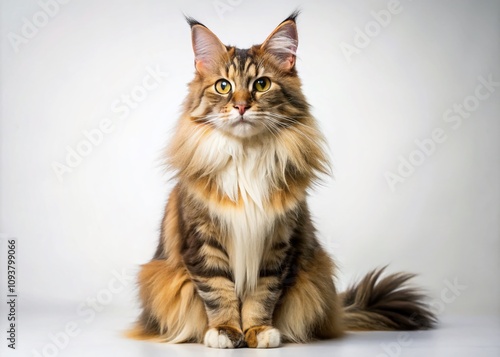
{"points": [[293, 16], [283, 42], [191, 21], [207, 48]]}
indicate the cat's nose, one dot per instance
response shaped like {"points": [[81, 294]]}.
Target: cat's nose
{"points": [[242, 107]]}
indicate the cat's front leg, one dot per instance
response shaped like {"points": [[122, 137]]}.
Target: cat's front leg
{"points": [[222, 306], [257, 311], [208, 265]]}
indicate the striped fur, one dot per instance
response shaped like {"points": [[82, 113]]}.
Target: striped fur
{"points": [[238, 262]]}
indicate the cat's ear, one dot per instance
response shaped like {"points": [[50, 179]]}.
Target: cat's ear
{"points": [[283, 41], [207, 48]]}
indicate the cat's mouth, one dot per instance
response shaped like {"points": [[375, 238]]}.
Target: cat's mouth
{"points": [[241, 120], [243, 126]]}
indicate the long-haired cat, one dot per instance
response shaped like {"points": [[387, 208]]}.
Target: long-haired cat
{"points": [[238, 263]]}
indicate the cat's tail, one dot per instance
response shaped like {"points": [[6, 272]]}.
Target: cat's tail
{"points": [[387, 303]]}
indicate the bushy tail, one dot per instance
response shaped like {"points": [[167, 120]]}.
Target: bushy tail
{"points": [[387, 303]]}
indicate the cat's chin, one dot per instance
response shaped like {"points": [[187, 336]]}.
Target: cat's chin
{"points": [[243, 130]]}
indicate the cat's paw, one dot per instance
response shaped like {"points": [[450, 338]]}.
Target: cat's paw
{"points": [[224, 337], [263, 337]]}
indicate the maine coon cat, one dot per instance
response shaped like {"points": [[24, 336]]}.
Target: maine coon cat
{"points": [[238, 263]]}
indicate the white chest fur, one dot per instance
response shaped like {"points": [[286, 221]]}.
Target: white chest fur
{"points": [[247, 174]]}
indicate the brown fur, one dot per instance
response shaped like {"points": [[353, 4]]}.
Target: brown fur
{"points": [[385, 304], [238, 262]]}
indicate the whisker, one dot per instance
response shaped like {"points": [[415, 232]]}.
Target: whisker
{"points": [[273, 130], [272, 120], [285, 118], [290, 120]]}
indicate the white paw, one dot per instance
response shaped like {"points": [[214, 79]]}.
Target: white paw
{"points": [[269, 338], [215, 339]]}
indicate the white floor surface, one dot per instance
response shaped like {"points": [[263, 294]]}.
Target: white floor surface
{"points": [[66, 333]]}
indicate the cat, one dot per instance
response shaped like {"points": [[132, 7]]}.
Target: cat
{"points": [[238, 263]]}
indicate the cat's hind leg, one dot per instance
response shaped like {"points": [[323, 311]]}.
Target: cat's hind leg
{"points": [[310, 309], [172, 309]]}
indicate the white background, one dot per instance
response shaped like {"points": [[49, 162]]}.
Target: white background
{"points": [[104, 216]]}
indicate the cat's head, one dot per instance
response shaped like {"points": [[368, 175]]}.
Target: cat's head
{"points": [[246, 92]]}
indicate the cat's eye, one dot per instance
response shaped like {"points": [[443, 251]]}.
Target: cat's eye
{"points": [[262, 84], [222, 86]]}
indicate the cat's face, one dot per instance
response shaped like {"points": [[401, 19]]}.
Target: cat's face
{"points": [[246, 92]]}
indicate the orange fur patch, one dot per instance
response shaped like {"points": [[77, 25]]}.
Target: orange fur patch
{"points": [[170, 296], [251, 335]]}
